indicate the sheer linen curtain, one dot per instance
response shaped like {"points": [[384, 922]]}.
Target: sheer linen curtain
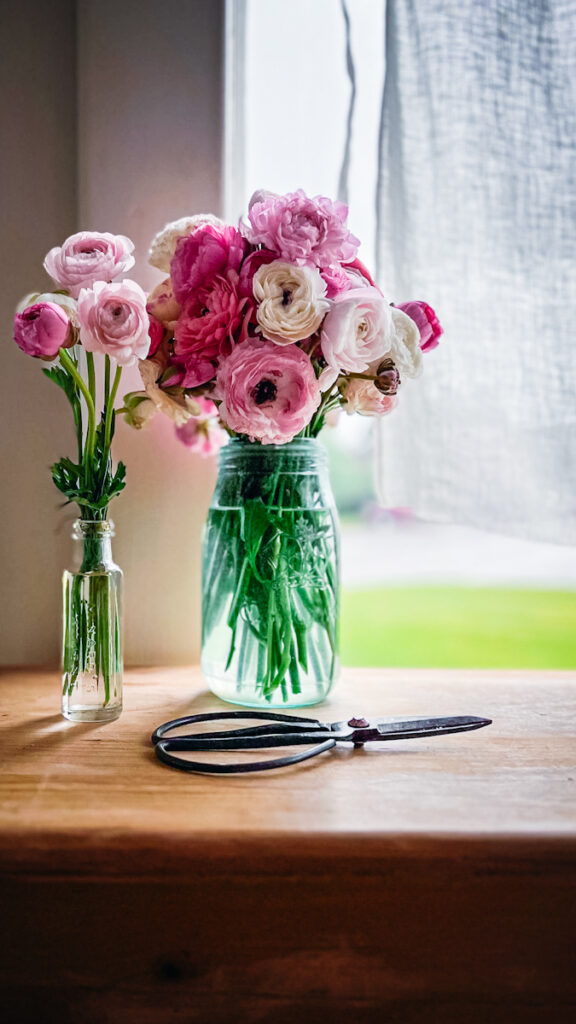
{"points": [[476, 214]]}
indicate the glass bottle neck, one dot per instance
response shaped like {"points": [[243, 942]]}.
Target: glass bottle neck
{"points": [[94, 550]]}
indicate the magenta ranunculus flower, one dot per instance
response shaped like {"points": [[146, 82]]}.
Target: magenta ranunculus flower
{"points": [[202, 434], [156, 330], [357, 330], [42, 329], [301, 230], [210, 324], [87, 257], [208, 251], [268, 392], [426, 321], [114, 320]]}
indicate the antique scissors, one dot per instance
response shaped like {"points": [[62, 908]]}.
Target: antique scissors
{"points": [[289, 731]]}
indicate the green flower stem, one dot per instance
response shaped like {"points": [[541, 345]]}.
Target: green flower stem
{"points": [[110, 408], [106, 379], [91, 376], [68, 365]]}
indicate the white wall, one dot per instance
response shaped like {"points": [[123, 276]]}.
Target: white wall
{"points": [[150, 114]]}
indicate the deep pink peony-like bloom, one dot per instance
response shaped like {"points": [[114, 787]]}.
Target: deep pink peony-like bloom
{"points": [[268, 392], [210, 324], [42, 330], [301, 230], [87, 257], [426, 321], [114, 320], [202, 434], [208, 251]]}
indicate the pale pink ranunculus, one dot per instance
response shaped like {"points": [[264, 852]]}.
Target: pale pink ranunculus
{"points": [[210, 324], [426, 321], [301, 230], [202, 434], [362, 396], [114, 320], [210, 250], [268, 392], [42, 329], [358, 329], [163, 305], [87, 257]]}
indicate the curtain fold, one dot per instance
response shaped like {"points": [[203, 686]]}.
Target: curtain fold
{"points": [[476, 214]]}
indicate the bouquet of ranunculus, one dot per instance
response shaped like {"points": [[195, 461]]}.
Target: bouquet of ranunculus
{"points": [[272, 324], [276, 322], [91, 315]]}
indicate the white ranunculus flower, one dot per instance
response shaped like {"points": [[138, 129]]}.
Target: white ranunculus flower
{"points": [[405, 350], [163, 245], [291, 301]]}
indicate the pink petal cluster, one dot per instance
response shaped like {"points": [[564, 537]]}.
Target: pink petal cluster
{"points": [[114, 320], [210, 250], [301, 230], [42, 329], [268, 392], [87, 257], [210, 324], [426, 321], [202, 433]]}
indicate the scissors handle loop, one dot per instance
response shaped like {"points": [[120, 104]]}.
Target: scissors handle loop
{"points": [[162, 750]]}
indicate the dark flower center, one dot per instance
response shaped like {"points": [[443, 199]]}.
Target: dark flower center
{"points": [[286, 297], [265, 391]]}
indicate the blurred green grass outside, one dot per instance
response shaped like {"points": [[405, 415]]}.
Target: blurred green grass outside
{"points": [[459, 627]]}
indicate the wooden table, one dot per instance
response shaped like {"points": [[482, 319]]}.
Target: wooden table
{"points": [[425, 881]]}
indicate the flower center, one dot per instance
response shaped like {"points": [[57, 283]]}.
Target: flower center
{"points": [[265, 391], [286, 297]]}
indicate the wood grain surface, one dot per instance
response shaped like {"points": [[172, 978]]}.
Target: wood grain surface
{"points": [[419, 881]]}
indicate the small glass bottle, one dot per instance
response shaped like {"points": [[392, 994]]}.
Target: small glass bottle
{"points": [[92, 627], [270, 576]]}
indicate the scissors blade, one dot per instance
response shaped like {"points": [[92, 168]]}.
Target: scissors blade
{"points": [[417, 727]]}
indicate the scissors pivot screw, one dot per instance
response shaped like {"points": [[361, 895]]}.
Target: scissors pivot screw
{"points": [[358, 723]]}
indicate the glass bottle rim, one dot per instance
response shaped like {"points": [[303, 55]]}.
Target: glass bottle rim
{"points": [[92, 527]]}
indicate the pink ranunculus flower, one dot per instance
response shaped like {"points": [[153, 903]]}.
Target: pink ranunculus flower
{"points": [[301, 230], [114, 320], [208, 251], [426, 321], [42, 329], [202, 434], [210, 324], [162, 305], [87, 257], [358, 329], [268, 392]]}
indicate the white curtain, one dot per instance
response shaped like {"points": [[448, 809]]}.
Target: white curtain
{"points": [[476, 214]]}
